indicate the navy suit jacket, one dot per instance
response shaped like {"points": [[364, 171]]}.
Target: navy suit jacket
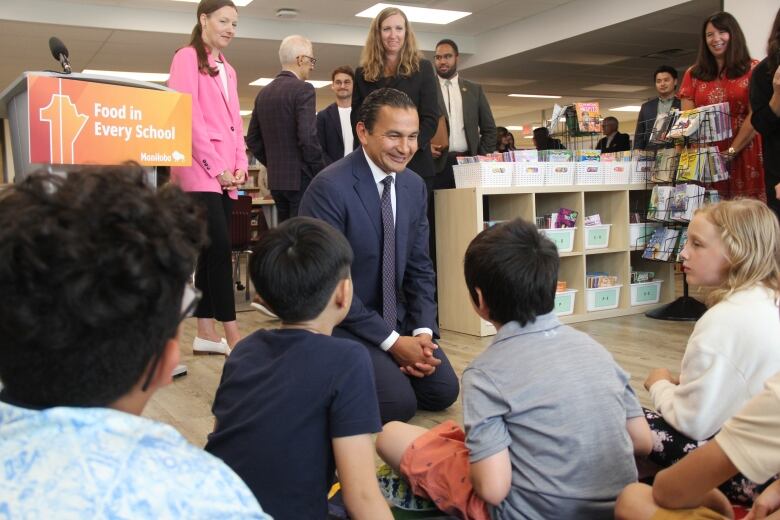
{"points": [[282, 132], [329, 134], [345, 196], [646, 120]]}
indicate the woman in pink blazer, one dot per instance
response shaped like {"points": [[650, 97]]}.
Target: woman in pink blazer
{"points": [[219, 163]]}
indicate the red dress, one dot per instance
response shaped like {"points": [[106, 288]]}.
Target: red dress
{"points": [[746, 177]]}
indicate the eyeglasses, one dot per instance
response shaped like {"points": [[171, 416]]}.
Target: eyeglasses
{"points": [[313, 61], [189, 302]]}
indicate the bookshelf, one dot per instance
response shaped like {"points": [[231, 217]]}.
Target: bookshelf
{"points": [[460, 216]]}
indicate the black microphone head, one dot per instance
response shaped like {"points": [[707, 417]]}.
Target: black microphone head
{"points": [[57, 48]]}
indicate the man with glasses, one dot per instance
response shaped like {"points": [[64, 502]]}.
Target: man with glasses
{"points": [[380, 207], [282, 132], [94, 277], [472, 129]]}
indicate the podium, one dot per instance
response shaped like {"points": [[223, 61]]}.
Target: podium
{"points": [[58, 121]]}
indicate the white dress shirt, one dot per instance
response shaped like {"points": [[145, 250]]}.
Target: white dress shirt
{"points": [[454, 103], [346, 129], [223, 77], [379, 176]]}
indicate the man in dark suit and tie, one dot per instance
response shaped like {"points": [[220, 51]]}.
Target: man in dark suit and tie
{"points": [[283, 132], [380, 206], [334, 127], [470, 123], [666, 85], [613, 141]]}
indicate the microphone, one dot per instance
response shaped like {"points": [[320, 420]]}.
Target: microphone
{"points": [[60, 53]]}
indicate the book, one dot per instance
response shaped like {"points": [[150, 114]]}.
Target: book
{"points": [[588, 117], [659, 133], [662, 244], [658, 207], [686, 124], [665, 165]]}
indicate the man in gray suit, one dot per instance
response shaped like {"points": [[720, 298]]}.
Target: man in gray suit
{"points": [[470, 123]]}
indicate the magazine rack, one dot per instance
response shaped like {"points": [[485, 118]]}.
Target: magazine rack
{"points": [[684, 167]]}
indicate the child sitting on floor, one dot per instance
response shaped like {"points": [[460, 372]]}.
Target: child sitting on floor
{"points": [[735, 346], [748, 443], [552, 425], [295, 404]]}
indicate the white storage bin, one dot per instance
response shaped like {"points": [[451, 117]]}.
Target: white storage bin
{"points": [[616, 172], [559, 173], [588, 172], [528, 174], [644, 293], [486, 174], [563, 238], [639, 234], [641, 172], [602, 298], [564, 302], [597, 237]]}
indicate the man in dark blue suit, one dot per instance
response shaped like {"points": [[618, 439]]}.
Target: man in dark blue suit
{"points": [[334, 127], [665, 85], [380, 206]]}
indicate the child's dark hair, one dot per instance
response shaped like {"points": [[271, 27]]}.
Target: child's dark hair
{"points": [[92, 271], [296, 266], [516, 269]]}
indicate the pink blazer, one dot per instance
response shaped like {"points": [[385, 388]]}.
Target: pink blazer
{"points": [[217, 129]]}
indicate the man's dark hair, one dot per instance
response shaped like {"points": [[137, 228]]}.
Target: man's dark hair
{"points": [[344, 69], [92, 273], [447, 41], [516, 269], [296, 267], [665, 68], [383, 97], [541, 132]]}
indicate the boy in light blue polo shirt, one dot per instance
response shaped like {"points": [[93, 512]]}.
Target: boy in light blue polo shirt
{"points": [[551, 423]]}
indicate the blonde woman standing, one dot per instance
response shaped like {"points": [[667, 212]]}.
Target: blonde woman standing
{"points": [[392, 59]]}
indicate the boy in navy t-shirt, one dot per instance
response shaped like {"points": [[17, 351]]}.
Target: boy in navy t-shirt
{"points": [[295, 404]]}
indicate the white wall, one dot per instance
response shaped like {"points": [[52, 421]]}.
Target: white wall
{"points": [[755, 17]]}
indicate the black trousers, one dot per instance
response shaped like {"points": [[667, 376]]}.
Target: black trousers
{"points": [[214, 272], [400, 395], [287, 202]]}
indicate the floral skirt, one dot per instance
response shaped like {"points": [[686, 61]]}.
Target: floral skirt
{"points": [[669, 446]]}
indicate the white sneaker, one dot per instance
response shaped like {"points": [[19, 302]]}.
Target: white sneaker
{"points": [[265, 310], [202, 346], [180, 370]]}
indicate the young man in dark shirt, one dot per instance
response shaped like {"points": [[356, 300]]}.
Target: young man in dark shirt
{"points": [[296, 404]]}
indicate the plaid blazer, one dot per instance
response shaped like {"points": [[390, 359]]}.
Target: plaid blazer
{"points": [[283, 132]]}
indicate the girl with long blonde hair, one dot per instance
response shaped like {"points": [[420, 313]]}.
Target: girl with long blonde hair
{"points": [[733, 247]]}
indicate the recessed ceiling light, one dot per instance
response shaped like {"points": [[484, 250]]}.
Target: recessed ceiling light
{"points": [[262, 82], [534, 96], [245, 113], [158, 77], [627, 108], [417, 14], [514, 127], [614, 87], [239, 3]]}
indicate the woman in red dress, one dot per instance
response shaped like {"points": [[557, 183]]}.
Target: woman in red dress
{"points": [[722, 74]]}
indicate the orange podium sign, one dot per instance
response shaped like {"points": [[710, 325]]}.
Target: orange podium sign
{"points": [[83, 122]]}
